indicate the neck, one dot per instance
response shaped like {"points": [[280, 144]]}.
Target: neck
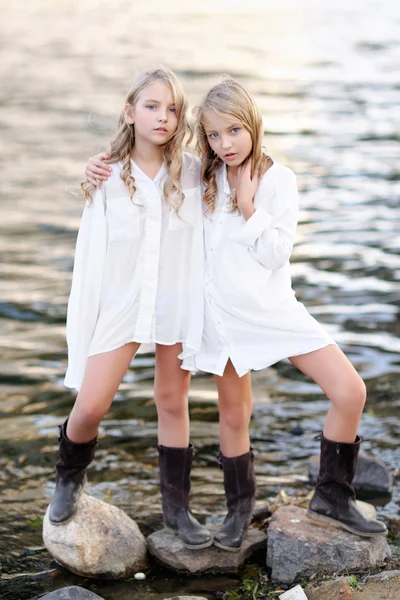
{"points": [[148, 153]]}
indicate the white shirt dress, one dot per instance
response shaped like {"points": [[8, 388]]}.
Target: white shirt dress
{"points": [[138, 271], [251, 315]]}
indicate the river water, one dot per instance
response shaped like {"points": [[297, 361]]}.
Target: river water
{"points": [[326, 76]]}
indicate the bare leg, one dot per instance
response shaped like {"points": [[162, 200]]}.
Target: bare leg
{"points": [[171, 388], [235, 406], [337, 377], [103, 375]]}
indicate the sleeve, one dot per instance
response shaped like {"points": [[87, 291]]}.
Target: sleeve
{"points": [[269, 234], [87, 279]]}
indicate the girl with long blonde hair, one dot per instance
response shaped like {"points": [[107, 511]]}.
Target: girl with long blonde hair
{"points": [[252, 318], [137, 282]]}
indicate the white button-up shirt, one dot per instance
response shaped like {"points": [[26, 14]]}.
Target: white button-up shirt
{"points": [[138, 271], [251, 315]]}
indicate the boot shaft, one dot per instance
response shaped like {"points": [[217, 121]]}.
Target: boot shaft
{"points": [[175, 467], [74, 458], [338, 464], [239, 481]]}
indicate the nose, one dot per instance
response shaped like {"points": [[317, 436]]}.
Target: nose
{"points": [[226, 143], [162, 117]]}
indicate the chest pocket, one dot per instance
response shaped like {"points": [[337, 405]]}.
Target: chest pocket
{"points": [[124, 218], [189, 213]]}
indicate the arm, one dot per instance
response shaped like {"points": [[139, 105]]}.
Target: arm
{"points": [[85, 296], [270, 235], [96, 170]]}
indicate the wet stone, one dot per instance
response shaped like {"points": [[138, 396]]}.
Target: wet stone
{"points": [[100, 541], [186, 598], [298, 547], [170, 551], [372, 475], [72, 592]]}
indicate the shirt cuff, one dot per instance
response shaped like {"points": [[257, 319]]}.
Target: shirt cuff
{"points": [[250, 231]]}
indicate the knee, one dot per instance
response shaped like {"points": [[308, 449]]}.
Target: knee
{"points": [[90, 415], [352, 395], [172, 402], [235, 416]]}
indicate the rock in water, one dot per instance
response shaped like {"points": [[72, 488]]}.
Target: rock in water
{"points": [[186, 598], [100, 541], [72, 592], [298, 547], [170, 551]]}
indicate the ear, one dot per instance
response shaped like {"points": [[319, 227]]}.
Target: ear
{"points": [[129, 114]]}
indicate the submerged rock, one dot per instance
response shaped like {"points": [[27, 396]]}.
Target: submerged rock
{"points": [[72, 592], [372, 476], [100, 541], [170, 551], [299, 547], [186, 598]]}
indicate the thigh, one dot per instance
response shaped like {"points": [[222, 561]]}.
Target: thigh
{"points": [[169, 377], [104, 373], [233, 389], [328, 367]]}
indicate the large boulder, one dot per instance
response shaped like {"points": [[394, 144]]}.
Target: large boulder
{"points": [[100, 541], [298, 547], [170, 551]]}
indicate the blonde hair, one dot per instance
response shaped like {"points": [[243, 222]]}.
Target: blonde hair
{"points": [[124, 139], [228, 98]]}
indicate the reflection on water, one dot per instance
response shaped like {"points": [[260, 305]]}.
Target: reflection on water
{"points": [[329, 92]]}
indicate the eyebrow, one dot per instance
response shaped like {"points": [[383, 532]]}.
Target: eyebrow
{"points": [[158, 102], [208, 131]]}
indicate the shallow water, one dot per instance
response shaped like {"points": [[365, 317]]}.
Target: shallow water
{"points": [[327, 79]]}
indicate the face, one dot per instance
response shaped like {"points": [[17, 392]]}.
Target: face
{"points": [[229, 139], [154, 114]]}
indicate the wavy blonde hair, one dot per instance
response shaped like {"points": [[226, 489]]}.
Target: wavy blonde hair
{"points": [[228, 98], [124, 139]]}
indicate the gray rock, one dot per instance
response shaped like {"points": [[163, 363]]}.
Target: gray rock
{"points": [[298, 547], [186, 598], [372, 475], [72, 592], [100, 541], [170, 551]]}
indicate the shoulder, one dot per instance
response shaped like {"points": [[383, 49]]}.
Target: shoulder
{"points": [[278, 180], [114, 185], [279, 174]]}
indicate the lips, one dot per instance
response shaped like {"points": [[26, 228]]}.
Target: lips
{"points": [[162, 129], [230, 155]]}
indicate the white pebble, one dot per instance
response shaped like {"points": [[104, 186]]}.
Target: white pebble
{"points": [[139, 576]]}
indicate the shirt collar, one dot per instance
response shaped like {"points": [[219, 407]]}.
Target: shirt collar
{"points": [[140, 175]]}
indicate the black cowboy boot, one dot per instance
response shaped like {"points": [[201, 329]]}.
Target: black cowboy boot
{"points": [[240, 490], [175, 466], [71, 476], [333, 501]]}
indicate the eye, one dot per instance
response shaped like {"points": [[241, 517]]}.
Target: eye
{"points": [[235, 129], [150, 106], [173, 110], [213, 136]]}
